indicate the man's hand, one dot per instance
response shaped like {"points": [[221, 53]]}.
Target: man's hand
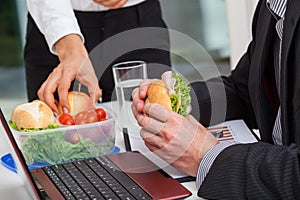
{"points": [[181, 141], [112, 4], [74, 63], [139, 95]]}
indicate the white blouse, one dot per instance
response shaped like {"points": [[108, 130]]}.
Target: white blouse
{"points": [[56, 19]]}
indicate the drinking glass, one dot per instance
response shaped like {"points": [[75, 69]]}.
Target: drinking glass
{"points": [[127, 76]]}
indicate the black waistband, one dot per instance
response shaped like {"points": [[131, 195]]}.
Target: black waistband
{"points": [[93, 16], [119, 11], [94, 19]]}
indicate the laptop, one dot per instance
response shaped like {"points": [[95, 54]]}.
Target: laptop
{"points": [[128, 175]]}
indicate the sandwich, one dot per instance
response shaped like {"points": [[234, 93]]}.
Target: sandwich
{"points": [[171, 92], [32, 116]]}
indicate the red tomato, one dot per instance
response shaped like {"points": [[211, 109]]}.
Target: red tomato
{"points": [[91, 116], [80, 118], [66, 119], [85, 117], [101, 114]]}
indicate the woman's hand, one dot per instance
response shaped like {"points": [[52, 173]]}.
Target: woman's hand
{"points": [[112, 4], [74, 63]]}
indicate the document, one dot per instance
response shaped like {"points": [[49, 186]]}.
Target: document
{"points": [[235, 130]]}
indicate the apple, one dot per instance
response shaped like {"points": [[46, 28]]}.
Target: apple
{"points": [[78, 101]]}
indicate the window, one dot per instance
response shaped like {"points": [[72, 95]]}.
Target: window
{"points": [[10, 42], [12, 75], [206, 23]]}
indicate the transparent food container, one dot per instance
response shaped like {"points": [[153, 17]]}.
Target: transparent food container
{"points": [[67, 143]]}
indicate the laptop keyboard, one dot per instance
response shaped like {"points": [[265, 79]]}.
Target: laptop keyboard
{"points": [[96, 178]]}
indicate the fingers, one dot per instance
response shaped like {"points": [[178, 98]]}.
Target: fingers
{"points": [[137, 109], [63, 87], [144, 87], [87, 76], [159, 126], [151, 131], [60, 79], [137, 102], [152, 141], [95, 93], [74, 63], [157, 111], [150, 124], [119, 4], [152, 117], [138, 97], [141, 92], [48, 88], [113, 4], [181, 141]]}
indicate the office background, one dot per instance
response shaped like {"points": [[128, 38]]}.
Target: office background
{"points": [[221, 27]]}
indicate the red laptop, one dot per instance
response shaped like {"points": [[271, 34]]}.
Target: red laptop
{"points": [[127, 175]]}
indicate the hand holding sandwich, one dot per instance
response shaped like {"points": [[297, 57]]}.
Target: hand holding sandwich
{"points": [[180, 140]]}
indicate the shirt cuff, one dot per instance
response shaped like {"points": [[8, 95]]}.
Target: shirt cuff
{"points": [[62, 28], [208, 160]]}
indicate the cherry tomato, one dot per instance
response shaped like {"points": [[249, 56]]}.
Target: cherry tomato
{"points": [[66, 119], [85, 117], [101, 114], [91, 116], [80, 118]]}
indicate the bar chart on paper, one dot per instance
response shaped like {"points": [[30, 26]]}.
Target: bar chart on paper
{"points": [[235, 130], [222, 133]]}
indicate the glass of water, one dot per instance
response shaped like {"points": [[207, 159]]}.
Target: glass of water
{"points": [[127, 77]]}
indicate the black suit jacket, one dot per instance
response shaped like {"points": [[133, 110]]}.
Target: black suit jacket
{"points": [[260, 170]]}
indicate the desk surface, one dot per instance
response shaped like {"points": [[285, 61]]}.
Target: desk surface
{"points": [[11, 185]]}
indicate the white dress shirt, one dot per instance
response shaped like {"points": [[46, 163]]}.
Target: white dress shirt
{"points": [[56, 18], [278, 9]]}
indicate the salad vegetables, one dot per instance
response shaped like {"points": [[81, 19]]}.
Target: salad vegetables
{"points": [[67, 144]]}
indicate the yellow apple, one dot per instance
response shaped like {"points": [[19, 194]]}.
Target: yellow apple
{"points": [[78, 101]]}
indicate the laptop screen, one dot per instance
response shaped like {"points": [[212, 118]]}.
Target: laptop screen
{"points": [[31, 190]]}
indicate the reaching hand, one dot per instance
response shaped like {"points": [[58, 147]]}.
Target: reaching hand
{"points": [[112, 4], [181, 141], [74, 63]]}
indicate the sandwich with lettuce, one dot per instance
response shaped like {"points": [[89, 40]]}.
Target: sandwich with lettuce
{"points": [[171, 92], [32, 116]]}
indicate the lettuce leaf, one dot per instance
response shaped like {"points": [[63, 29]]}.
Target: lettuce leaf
{"points": [[174, 102], [15, 127], [51, 148], [182, 88]]}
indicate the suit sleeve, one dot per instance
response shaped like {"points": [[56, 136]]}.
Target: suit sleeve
{"points": [[238, 106], [254, 171]]}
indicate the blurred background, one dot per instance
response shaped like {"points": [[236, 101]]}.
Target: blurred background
{"points": [[221, 27], [12, 73]]}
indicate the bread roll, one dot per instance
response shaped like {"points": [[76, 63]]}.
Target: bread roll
{"points": [[35, 114], [159, 93]]}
